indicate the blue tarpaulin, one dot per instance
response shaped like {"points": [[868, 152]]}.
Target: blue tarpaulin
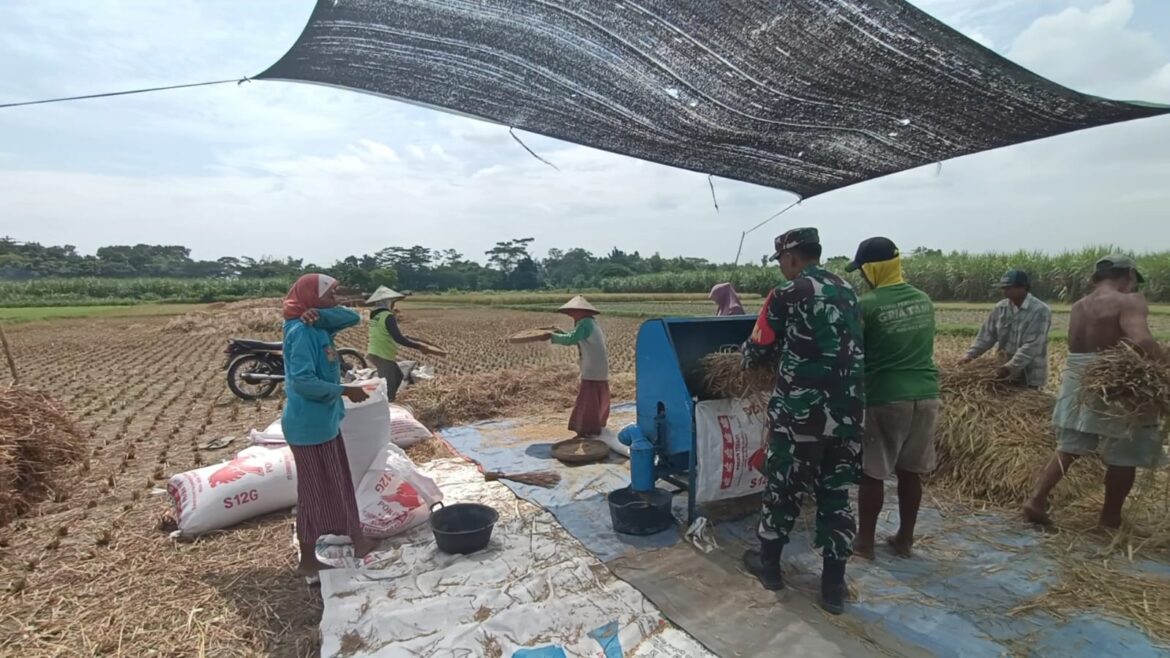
{"points": [[965, 593]]}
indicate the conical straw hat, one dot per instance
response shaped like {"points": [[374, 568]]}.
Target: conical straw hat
{"points": [[579, 303], [383, 294]]}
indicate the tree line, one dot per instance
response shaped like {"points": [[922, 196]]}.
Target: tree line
{"points": [[508, 265], [511, 265]]}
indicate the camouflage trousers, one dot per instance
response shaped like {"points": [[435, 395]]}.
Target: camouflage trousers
{"points": [[824, 468]]}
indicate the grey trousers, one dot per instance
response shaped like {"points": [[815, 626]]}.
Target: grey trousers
{"points": [[389, 371]]}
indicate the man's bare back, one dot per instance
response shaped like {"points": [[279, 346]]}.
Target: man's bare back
{"points": [[1105, 317]]}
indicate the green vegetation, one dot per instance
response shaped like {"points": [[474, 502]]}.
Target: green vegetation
{"points": [[92, 291], [951, 277], [45, 313]]}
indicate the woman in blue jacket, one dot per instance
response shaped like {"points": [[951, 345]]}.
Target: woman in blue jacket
{"points": [[312, 417]]}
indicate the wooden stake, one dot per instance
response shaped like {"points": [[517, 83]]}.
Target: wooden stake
{"points": [[8, 355]]}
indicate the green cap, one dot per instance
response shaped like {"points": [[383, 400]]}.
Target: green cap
{"points": [[795, 238], [1119, 262], [1013, 278]]}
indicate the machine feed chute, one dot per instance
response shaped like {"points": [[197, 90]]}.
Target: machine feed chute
{"points": [[681, 432]]}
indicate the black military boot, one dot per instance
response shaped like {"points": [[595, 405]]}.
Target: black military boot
{"points": [[764, 564], [833, 590]]}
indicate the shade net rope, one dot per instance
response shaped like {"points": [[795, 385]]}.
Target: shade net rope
{"points": [[802, 95]]}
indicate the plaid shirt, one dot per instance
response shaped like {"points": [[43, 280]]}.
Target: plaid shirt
{"points": [[1022, 335]]}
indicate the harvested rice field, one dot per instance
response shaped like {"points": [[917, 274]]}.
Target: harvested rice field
{"points": [[90, 569]]}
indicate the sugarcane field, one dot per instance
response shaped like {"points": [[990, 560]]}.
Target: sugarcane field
{"points": [[583, 329]]}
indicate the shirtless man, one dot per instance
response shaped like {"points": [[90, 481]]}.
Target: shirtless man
{"points": [[1104, 318]]}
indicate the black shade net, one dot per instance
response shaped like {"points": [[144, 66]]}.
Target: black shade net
{"points": [[802, 95]]}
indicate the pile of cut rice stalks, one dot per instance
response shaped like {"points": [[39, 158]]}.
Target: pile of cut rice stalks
{"points": [[38, 439], [994, 437]]}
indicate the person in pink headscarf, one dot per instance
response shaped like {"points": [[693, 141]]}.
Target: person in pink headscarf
{"points": [[312, 417], [726, 300]]}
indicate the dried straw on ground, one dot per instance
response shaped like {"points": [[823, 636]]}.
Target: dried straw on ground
{"points": [[261, 302], [725, 377], [237, 319], [458, 399], [1145, 529], [1130, 385], [224, 321], [1088, 582], [38, 440], [428, 451]]}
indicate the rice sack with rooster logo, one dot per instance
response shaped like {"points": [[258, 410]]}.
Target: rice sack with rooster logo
{"points": [[258, 481]]}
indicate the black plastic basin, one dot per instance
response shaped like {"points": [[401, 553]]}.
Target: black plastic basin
{"points": [[640, 512], [462, 528]]}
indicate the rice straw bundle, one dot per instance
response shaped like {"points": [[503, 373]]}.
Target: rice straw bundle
{"points": [[994, 437], [977, 377], [725, 377], [36, 438], [1129, 384]]}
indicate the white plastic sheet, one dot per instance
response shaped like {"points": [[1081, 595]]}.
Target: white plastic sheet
{"points": [[534, 588]]}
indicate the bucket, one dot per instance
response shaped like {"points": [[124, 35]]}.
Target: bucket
{"points": [[640, 512], [462, 528]]}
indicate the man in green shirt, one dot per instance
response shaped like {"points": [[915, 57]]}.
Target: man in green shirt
{"points": [[901, 392]]}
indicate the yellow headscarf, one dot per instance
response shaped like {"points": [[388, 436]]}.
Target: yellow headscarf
{"points": [[885, 273]]}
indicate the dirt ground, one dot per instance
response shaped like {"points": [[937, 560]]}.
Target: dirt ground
{"points": [[93, 572]]}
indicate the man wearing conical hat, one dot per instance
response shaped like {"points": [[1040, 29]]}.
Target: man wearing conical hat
{"points": [[591, 412], [386, 338]]}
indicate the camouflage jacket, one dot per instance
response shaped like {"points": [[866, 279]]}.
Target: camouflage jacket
{"points": [[811, 329]]}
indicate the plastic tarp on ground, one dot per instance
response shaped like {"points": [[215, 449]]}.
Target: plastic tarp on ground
{"points": [[955, 598], [534, 592], [803, 95]]}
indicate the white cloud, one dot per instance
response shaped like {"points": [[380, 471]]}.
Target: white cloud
{"points": [[1093, 49], [1157, 86]]}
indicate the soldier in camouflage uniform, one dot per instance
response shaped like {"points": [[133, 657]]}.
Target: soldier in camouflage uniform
{"points": [[810, 327]]}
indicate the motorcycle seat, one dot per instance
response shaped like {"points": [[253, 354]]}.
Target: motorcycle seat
{"points": [[258, 345]]}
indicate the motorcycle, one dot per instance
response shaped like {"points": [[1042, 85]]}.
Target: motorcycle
{"points": [[256, 367]]}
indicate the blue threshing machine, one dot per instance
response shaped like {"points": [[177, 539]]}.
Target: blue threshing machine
{"points": [[670, 381]]}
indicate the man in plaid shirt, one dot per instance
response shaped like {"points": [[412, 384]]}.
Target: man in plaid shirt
{"points": [[1018, 327]]}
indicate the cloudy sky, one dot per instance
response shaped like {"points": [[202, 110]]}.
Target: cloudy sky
{"points": [[272, 168]]}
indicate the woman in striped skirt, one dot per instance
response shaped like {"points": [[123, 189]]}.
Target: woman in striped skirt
{"points": [[312, 417], [591, 412]]}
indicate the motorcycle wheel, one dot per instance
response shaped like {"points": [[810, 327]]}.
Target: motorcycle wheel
{"points": [[351, 359], [249, 364]]}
